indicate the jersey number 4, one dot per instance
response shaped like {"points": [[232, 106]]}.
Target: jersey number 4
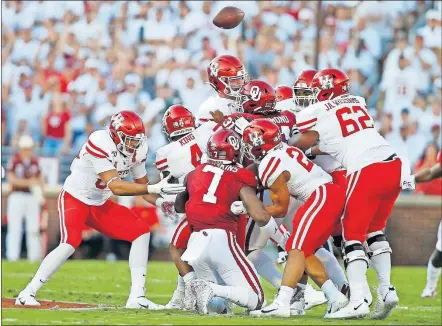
{"points": [[195, 155], [210, 197], [353, 120]]}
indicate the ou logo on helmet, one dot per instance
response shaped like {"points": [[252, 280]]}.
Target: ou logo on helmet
{"points": [[234, 141], [255, 93], [326, 82], [214, 68], [117, 120]]}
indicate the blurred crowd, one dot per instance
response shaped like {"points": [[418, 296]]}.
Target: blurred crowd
{"points": [[67, 66]]}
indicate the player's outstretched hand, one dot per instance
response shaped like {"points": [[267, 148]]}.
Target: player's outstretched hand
{"points": [[237, 208], [163, 187]]}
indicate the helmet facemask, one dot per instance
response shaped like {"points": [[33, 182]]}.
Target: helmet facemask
{"points": [[234, 84], [129, 144], [303, 97]]}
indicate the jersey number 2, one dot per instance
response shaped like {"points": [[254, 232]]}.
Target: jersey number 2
{"points": [[353, 120], [300, 157], [195, 155], [210, 197]]}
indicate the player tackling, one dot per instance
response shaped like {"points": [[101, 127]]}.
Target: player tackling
{"points": [[96, 175]]}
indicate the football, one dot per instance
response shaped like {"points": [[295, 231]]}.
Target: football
{"points": [[228, 18]]}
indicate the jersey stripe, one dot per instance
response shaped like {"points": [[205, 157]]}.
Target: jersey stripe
{"points": [[266, 169], [275, 166], [216, 127], [306, 122], [162, 167], [204, 119], [96, 148], [164, 160], [95, 154]]}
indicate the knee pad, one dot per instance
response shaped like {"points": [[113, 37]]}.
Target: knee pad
{"points": [[352, 251], [377, 244], [436, 258]]}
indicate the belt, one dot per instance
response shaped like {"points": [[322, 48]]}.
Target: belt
{"points": [[390, 158]]}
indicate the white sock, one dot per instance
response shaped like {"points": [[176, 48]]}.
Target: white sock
{"points": [[266, 267], [381, 264], [180, 284], [330, 290], [334, 270], [189, 277], [433, 274], [285, 294], [138, 257], [239, 295], [357, 279], [50, 265]]}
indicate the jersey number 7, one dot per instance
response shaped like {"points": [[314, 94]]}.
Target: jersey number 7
{"points": [[353, 120]]}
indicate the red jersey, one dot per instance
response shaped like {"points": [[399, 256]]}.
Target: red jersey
{"points": [[212, 190], [55, 124], [285, 120], [23, 169]]}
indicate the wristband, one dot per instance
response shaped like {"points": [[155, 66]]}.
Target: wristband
{"points": [[113, 179]]}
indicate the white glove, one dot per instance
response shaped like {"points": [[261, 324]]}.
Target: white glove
{"points": [[240, 124], [167, 207], [237, 208], [164, 187]]}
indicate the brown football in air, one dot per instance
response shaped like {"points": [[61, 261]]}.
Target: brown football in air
{"points": [[228, 17]]}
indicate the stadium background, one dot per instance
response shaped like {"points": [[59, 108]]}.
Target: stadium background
{"points": [[68, 66]]}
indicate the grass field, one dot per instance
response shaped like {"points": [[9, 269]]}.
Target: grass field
{"points": [[106, 283]]}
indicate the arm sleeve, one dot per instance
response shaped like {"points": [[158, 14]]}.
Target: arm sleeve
{"points": [[306, 119], [269, 170]]}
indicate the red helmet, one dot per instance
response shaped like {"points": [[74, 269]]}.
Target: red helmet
{"points": [[283, 93], [127, 132], [302, 93], [257, 97], [330, 83], [224, 147], [178, 121], [226, 74], [259, 137]]}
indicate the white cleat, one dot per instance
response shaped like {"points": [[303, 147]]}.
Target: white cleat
{"points": [[26, 299], [177, 300], [141, 302], [189, 300], [274, 309], [353, 310], [297, 304], [334, 306], [367, 294], [313, 297], [385, 303], [428, 293], [204, 294]]}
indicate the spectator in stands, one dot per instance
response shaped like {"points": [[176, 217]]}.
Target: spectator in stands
{"points": [[56, 128], [432, 32], [427, 160]]}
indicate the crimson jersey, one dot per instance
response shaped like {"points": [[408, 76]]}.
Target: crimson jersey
{"points": [[285, 120], [212, 190], [23, 169]]}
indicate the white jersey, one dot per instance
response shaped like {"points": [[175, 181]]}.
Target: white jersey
{"points": [[328, 163], [212, 104], [305, 176], [100, 154], [346, 132], [180, 157]]}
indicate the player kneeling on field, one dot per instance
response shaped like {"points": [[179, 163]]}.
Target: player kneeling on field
{"points": [[286, 171], [213, 250], [96, 173]]}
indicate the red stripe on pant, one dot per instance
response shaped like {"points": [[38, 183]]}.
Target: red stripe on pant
{"points": [[237, 256], [60, 213], [177, 232]]}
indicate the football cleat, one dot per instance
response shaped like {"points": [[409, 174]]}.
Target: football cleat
{"points": [[204, 294], [26, 299], [352, 310], [428, 293], [313, 297], [141, 302], [274, 309], [334, 306], [177, 300], [297, 304], [385, 303], [189, 300], [367, 294]]}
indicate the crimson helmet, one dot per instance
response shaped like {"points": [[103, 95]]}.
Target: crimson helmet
{"points": [[178, 121], [330, 83], [224, 147], [260, 137], [257, 97], [302, 93], [283, 93], [127, 132], [227, 75]]}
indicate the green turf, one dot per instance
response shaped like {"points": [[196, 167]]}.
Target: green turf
{"points": [[108, 283]]}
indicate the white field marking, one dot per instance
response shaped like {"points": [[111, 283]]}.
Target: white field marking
{"points": [[100, 293], [8, 320], [87, 278]]}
